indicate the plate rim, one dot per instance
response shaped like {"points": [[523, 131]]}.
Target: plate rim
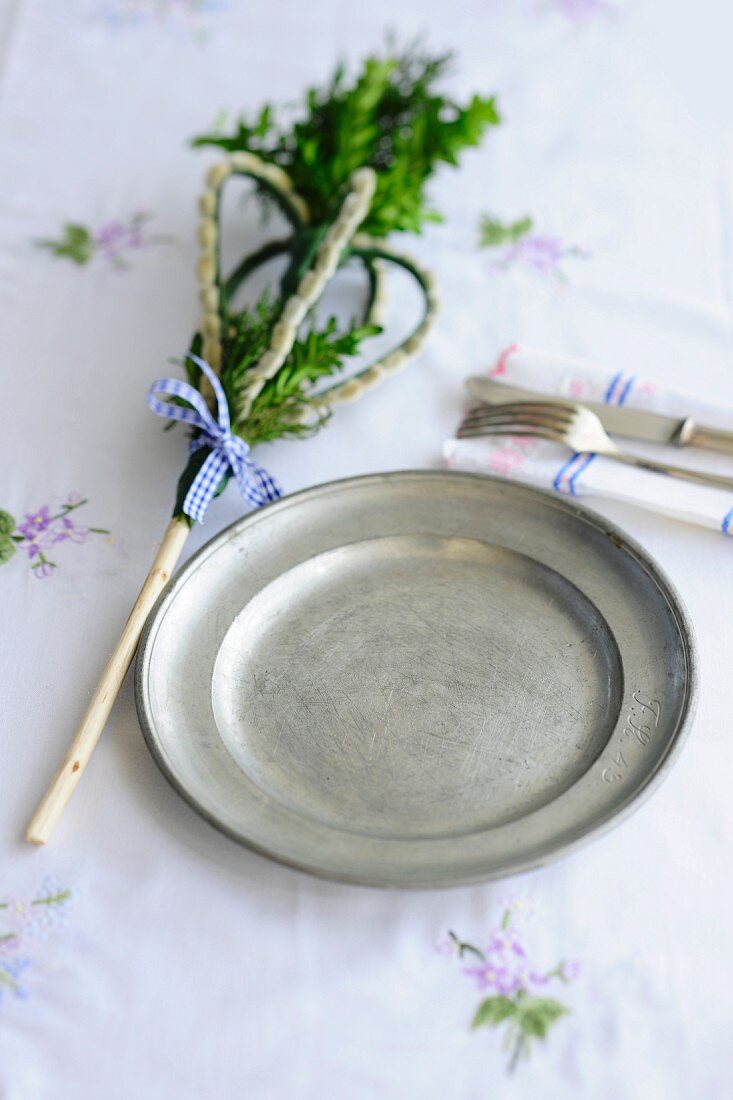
{"points": [[623, 541]]}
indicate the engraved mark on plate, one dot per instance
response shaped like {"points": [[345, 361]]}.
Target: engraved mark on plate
{"points": [[641, 721]]}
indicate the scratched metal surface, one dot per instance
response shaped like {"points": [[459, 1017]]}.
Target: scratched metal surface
{"points": [[416, 679]]}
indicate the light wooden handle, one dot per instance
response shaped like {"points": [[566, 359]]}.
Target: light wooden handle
{"points": [[63, 783]]}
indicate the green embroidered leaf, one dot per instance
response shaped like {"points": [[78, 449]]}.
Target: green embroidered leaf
{"points": [[77, 244], [493, 1011], [493, 233], [7, 523], [539, 1014], [520, 228], [7, 549], [391, 118], [53, 899]]}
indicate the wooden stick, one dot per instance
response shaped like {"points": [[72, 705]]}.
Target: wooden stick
{"points": [[64, 782]]}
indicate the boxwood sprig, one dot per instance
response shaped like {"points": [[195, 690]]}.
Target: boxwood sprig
{"points": [[390, 117]]}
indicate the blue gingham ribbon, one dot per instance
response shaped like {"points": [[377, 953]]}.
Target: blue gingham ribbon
{"points": [[228, 451]]}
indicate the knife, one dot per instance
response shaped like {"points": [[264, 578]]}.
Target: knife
{"points": [[633, 423]]}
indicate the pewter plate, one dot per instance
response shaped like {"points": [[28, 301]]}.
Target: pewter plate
{"points": [[416, 679]]}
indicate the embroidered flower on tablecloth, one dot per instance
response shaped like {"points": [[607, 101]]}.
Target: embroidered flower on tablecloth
{"points": [[517, 998], [113, 241], [190, 14], [581, 11], [40, 530], [23, 926], [522, 247]]}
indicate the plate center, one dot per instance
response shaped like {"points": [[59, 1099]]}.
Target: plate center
{"points": [[417, 687]]}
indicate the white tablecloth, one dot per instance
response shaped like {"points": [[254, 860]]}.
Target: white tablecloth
{"points": [[161, 960]]}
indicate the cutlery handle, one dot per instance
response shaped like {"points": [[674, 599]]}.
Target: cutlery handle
{"points": [[714, 439], [680, 472], [62, 785]]}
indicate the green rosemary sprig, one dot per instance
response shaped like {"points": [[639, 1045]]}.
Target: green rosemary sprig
{"points": [[286, 406], [281, 406]]}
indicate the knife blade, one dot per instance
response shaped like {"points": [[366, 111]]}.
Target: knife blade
{"points": [[631, 423]]}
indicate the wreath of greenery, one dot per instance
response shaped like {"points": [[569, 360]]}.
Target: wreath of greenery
{"points": [[351, 168]]}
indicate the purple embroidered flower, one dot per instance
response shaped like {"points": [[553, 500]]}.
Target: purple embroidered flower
{"points": [[515, 991], [43, 569], [543, 255], [9, 944], [524, 247], [116, 238], [111, 237], [505, 942], [35, 522], [67, 529], [529, 980], [506, 969], [137, 13], [41, 530], [26, 923], [40, 543], [494, 977], [112, 241]]}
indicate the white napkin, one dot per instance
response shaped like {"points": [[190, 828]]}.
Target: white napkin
{"points": [[550, 466]]}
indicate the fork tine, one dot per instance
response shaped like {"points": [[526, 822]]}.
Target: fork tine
{"points": [[542, 402], [517, 418], [516, 422], [557, 406], [509, 427], [468, 431], [541, 419], [522, 408]]}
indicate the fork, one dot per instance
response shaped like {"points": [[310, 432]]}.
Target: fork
{"points": [[575, 426]]}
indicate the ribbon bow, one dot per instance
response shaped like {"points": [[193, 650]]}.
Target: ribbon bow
{"points": [[228, 451]]}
